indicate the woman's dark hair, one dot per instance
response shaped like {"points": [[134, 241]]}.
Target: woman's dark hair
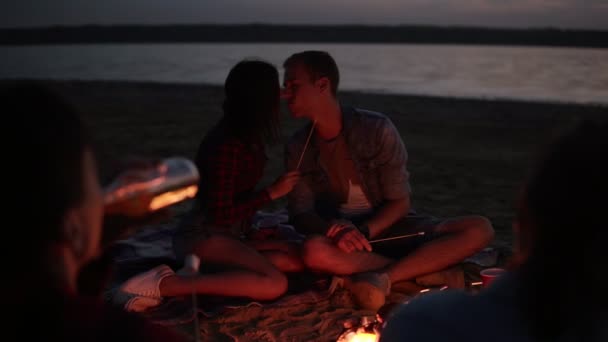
{"points": [[251, 106], [564, 204], [48, 168]]}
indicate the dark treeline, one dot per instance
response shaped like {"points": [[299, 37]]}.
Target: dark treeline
{"points": [[302, 33]]}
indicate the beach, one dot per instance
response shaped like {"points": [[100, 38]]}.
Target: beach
{"points": [[466, 157]]}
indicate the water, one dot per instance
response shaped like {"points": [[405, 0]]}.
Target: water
{"points": [[530, 73]]}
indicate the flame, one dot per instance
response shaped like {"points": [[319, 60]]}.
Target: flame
{"points": [[172, 197], [364, 337], [359, 337]]}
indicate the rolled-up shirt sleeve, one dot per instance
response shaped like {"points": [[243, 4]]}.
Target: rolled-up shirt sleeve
{"points": [[392, 163]]}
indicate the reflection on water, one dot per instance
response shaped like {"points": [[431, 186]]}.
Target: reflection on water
{"points": [[554, 74]]}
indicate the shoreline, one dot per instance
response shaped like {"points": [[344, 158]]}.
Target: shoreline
{"points": [[144, 83]]}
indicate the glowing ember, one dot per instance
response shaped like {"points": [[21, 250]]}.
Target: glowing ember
{"points": [[363, 337], [172, 197], [364, 330]]}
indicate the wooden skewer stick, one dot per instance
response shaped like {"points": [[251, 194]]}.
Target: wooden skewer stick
{"points": [[192, 263], [312, 128], [397, 237]]}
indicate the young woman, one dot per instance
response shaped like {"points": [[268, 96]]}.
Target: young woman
{"points": [[231, 160]]}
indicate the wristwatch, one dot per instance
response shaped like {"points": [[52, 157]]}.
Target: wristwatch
{"points": [[364, 229]]}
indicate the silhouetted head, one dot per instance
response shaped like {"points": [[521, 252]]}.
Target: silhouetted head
{"points": [[311, 79], [563, 232], [58, 193], [251, 106]]}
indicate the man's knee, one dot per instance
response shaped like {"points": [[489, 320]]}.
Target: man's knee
{"points": [[479, 230], [316, 251]]}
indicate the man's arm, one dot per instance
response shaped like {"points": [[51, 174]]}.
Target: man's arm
{"points": [[301, 200], [348, 238], [387, 215], [394, 179]]}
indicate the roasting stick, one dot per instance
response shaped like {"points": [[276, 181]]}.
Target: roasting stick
{"points": [[397, 237], [312, 128], [192, 264]]}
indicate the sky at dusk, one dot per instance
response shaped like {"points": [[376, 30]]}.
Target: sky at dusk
{"points": [[586, 14]]}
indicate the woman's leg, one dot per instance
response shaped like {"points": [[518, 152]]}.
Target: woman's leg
{"points": [[284, 255], [248, 274]]}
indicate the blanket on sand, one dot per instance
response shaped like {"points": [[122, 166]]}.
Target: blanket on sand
{"points": [[152, 246]]}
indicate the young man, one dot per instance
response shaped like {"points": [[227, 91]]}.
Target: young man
{"points": [[355, 188]]}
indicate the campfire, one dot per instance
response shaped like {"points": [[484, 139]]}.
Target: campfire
{"points": [[365, 329], [361, 337], [368, 328]]}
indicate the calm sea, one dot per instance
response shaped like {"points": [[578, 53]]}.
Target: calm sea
{"points": [[530, 73]]}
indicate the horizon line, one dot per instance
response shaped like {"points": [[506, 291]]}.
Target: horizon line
{"points": [[404, 25]]}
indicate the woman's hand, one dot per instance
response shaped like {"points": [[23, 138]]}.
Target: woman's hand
{"points": [[283, 185]]}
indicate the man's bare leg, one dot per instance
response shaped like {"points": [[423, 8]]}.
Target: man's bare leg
{"points": [[321, 254], [464, 237]]}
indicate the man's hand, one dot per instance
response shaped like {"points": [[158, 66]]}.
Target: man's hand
{"points": [[337, 226], [347, 237]]}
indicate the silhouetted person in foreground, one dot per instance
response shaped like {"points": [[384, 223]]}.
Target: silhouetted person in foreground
{"points": [[59, 209], [557, 289]]}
